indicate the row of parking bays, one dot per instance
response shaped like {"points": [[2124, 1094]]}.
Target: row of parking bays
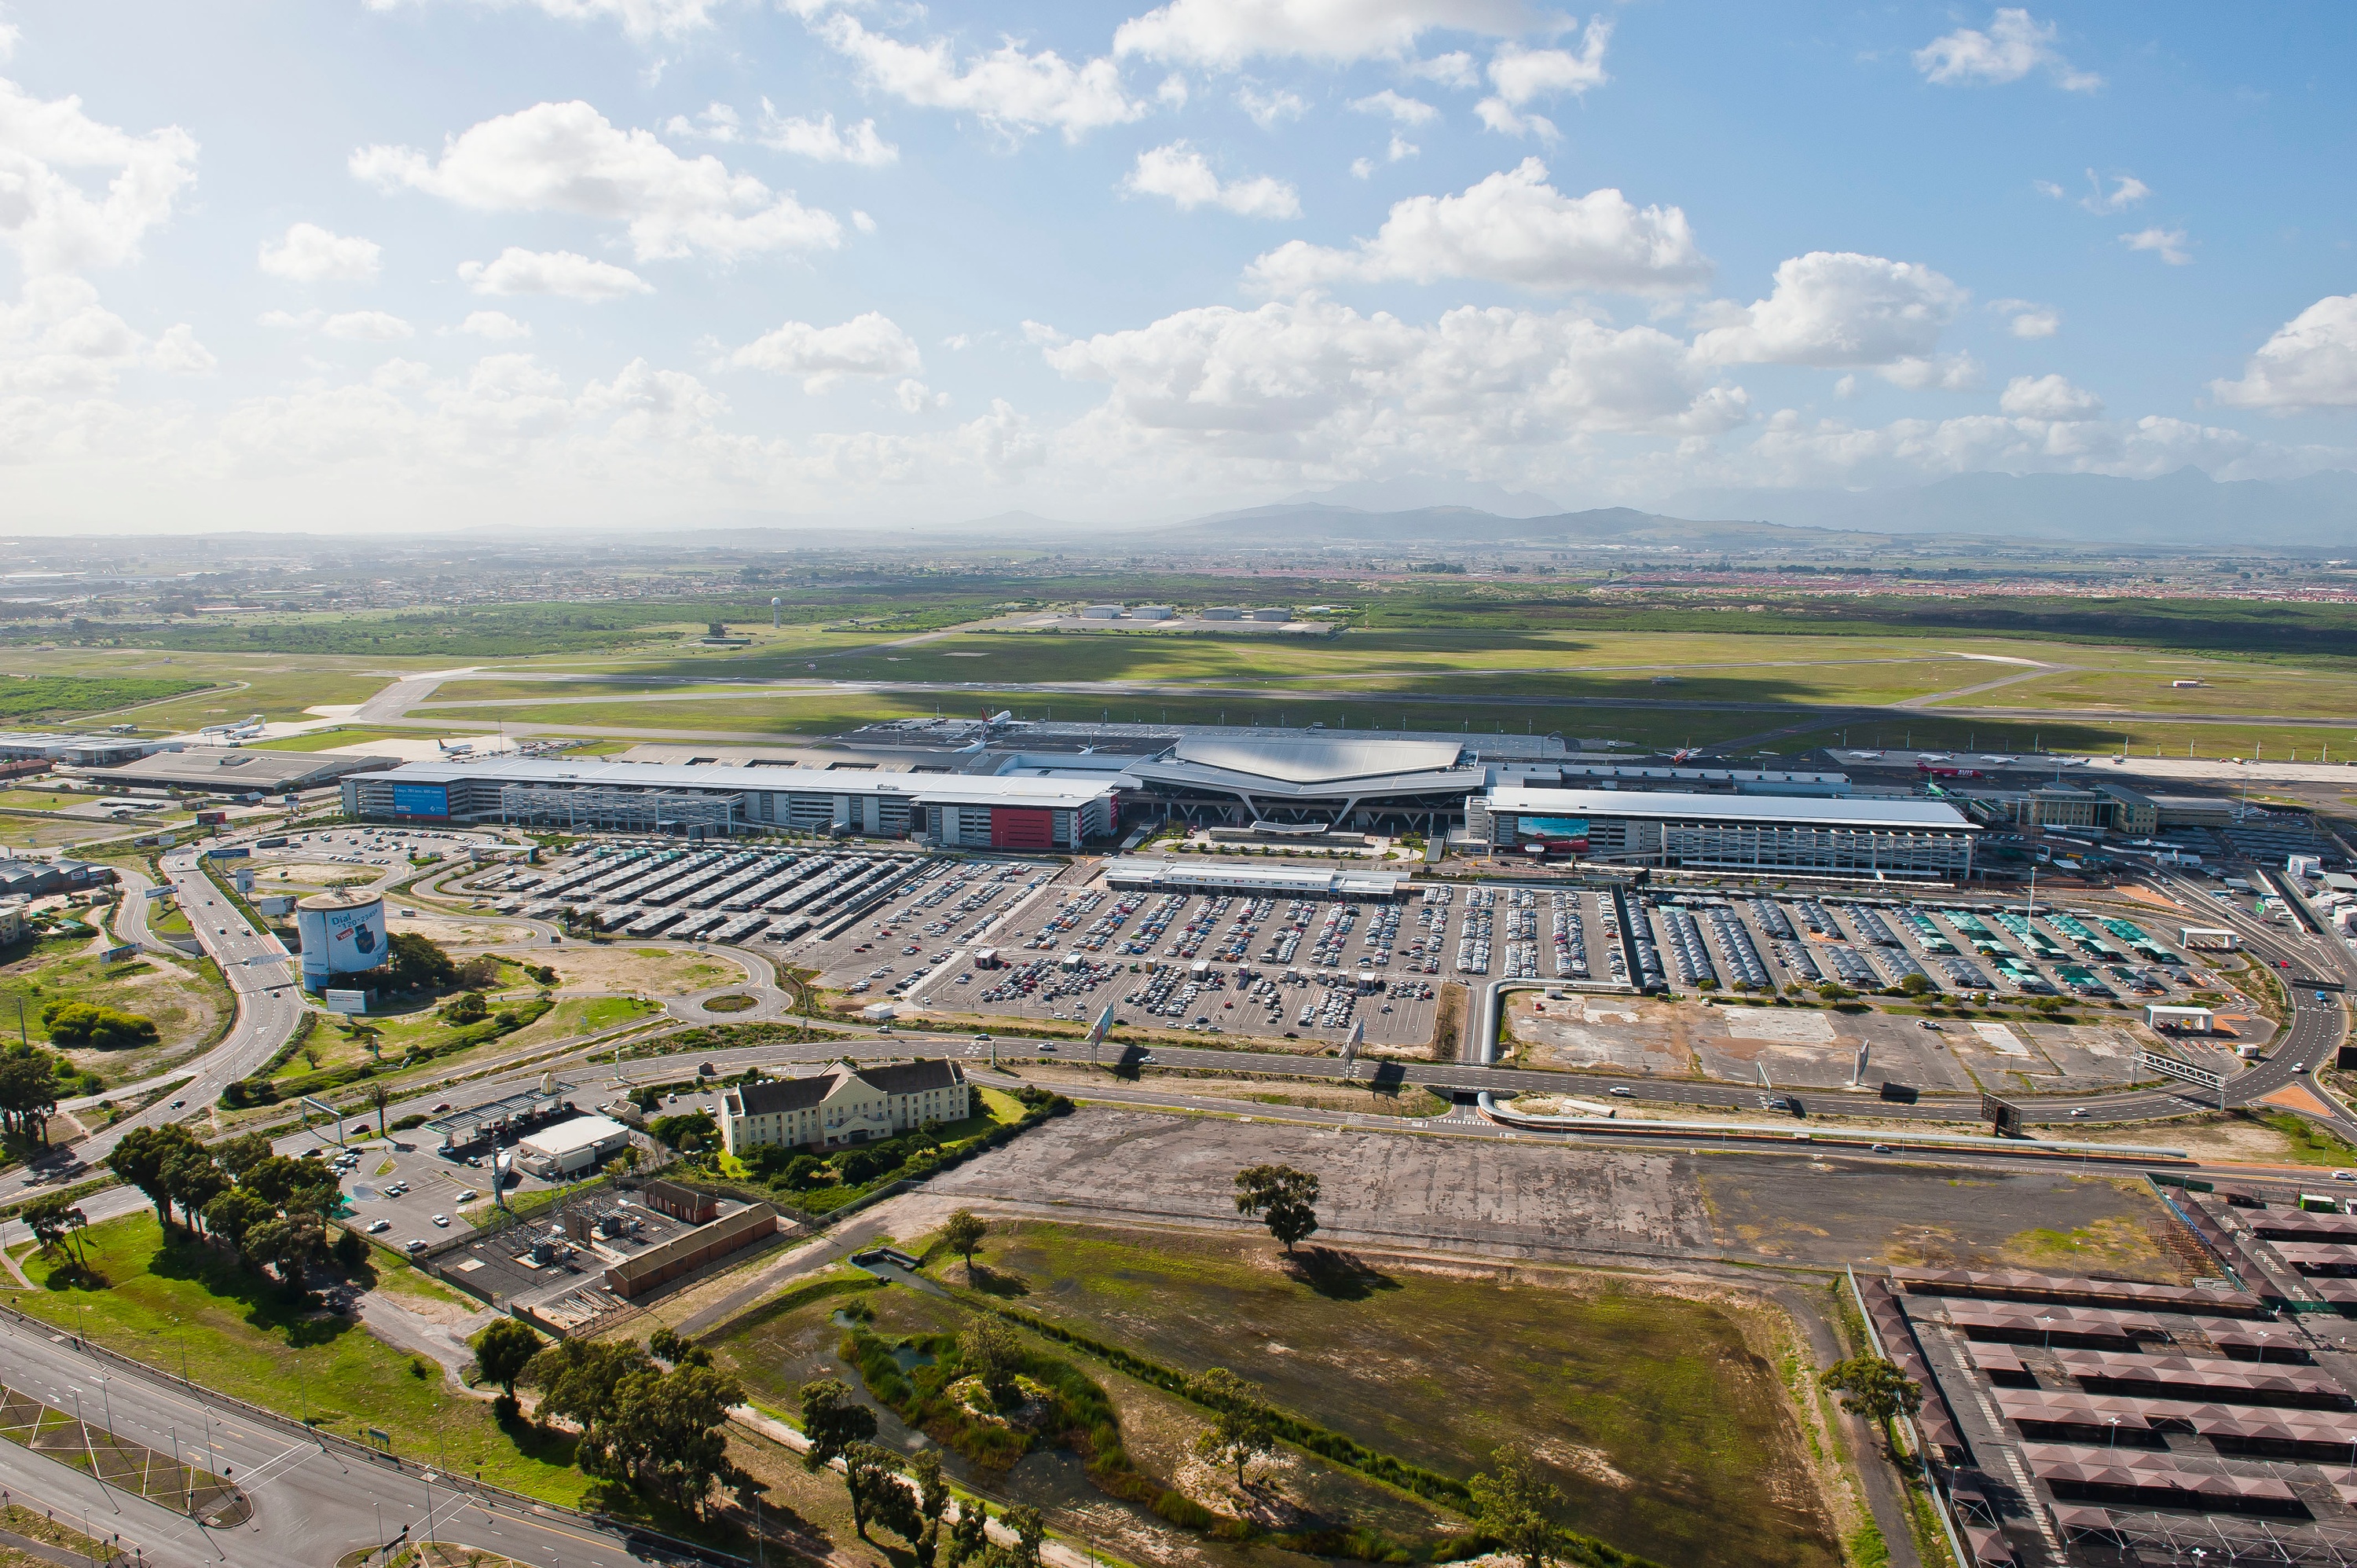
{"points": [[1759, 943], [730, 894]]}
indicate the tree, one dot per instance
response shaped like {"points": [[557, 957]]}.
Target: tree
{"points": [[240, 1154], [1516, 1509], [1914, 985], [582, 1382], [502, 1351], [193, 1180], [1029, 1529], [416, 964], [988, 1349], [52, 1218], [28, 1090], [289, 1244], [667, 1429], [140, 1158], [1239, 1430], [872, 1476], [832, 1420], [234, 1214], [1281, 1195], [1873, 1387], [677, 1348], [963, 1234], [932, 1501], [970, 1537], [467, 1007], [380, 1097]]}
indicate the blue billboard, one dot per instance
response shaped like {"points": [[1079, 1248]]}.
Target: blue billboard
{"points": [[421, 799], [1569, 832]]}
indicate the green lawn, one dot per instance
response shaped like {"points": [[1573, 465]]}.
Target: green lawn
{"points": [[241, 1336], [2309, 1144], [330, 738]]}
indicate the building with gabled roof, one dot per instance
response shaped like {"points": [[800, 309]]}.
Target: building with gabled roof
{"points": [[844, 1105]]}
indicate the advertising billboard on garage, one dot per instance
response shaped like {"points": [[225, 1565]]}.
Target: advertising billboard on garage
{"points": [[1558, 832], [340, 937], [421, 799]]}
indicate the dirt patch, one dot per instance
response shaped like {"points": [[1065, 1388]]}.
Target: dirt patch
{"points": [[639, 971]]}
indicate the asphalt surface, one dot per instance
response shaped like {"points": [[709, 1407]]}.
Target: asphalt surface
{"points": [[310, 1505]]}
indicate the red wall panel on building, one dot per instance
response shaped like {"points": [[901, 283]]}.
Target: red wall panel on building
{"points": [[1022, 827]]}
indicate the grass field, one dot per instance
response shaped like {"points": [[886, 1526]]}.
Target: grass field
{"points": [[243, 1337], [776, 1348], [1662, 1424], [186, 1007]]}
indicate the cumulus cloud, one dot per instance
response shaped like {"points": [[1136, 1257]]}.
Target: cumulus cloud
{"points": [[1513, 227], [641, 19], [366, 327], [309, 253], [1792, 450], [1185, 176], [2168, 244], [1454, 69], [1941, 373], [718, 122], [819, 140], [58, 341], [2027, 320], [1403, 110], [1503, 117], [1837, 309], [2125, 192], [2310, 362], [1011, 90], [1268, 108], [1312, 381], [495, 326], [50, 151], [915, 397], [561, 272], [177, 352], [2048, 397], [2015, 45], [567, 158], [1229, 32], [871, 344], [1522, 74]]}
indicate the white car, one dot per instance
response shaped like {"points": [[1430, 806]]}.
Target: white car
{"points": [[378, 1227], [1624, 1091], [467, 1195], [418, 1243], [443, 1220]]}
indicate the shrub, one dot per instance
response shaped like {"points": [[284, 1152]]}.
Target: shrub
{"points": [[94, 1024]]}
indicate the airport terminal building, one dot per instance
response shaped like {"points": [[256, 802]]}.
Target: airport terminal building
{"points": [[1910, 840]]}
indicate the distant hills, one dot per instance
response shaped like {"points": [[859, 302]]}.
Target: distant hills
{"points": [[1288, 524], [2187, 507]]}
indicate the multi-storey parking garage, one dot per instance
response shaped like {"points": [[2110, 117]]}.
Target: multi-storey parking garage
{"points": [[1022, 812], [1912, 840]]}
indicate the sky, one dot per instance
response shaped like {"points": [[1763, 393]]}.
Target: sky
{"points": [[425, 264]]}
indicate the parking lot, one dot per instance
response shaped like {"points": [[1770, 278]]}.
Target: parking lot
{"points": [[1268, 966]]}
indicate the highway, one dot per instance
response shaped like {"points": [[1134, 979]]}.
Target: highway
{"points": [[311, 1503], [262, 978]]}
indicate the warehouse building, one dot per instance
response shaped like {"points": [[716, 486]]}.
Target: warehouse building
{"points": [[843, 1106], [1020, 812], [235, 770], [1899, 839]]}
